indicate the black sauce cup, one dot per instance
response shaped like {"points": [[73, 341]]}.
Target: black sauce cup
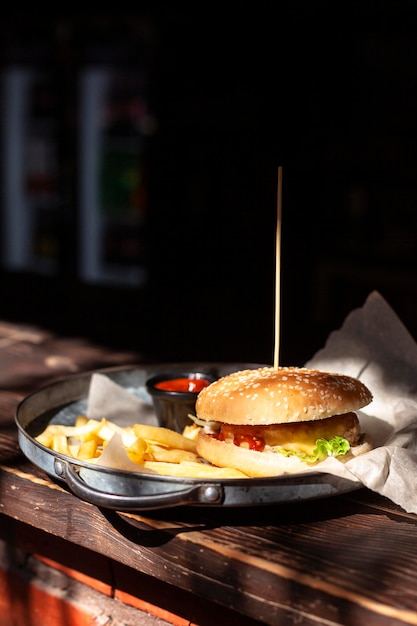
{"points": [[175, 402]]}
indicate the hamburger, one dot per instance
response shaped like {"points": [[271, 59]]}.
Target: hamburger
{"points": [[271, 421]]}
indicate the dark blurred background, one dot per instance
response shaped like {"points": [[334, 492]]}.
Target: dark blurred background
{"points": [[139, 173]]}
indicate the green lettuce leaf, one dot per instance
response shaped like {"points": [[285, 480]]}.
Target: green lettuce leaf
{"points": [[337, 446]]}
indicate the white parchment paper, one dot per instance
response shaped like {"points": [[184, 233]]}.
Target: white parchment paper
{"points": [[374, 346], [117, 404], [123, 407]]}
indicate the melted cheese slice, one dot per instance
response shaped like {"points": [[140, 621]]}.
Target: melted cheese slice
{"points": [[299, 436]]}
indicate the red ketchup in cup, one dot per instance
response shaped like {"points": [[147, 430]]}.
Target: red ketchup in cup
{"points": [[194, 385]]}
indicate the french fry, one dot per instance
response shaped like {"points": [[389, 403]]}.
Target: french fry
{"points": [[92, 437], [137, 450], [193, 470], [60, 444], [46, 438], [80, 420], [88, 431], [164, 436], [87, 450], [169, 455], [73, 449], [80, 431], [107, 430]]}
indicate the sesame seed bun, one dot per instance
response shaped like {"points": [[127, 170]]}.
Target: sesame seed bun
{"points": [[269, 421], [280, 395]]}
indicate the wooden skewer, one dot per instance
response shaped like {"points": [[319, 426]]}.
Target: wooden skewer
{"points": [[278, 269]]}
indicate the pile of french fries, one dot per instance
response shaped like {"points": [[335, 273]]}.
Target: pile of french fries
{"points": [[155, 449]]}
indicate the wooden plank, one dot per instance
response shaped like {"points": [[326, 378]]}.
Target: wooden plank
{"points": [[269, 571], [345, 560]]}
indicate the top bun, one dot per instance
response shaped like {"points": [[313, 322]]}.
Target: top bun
{"points": [[280, 395]]}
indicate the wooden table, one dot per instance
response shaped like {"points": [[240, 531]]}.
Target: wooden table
{"points": [[349, 559]]}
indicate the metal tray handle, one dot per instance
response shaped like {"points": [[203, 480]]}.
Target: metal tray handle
{"points": [[201, 493]]}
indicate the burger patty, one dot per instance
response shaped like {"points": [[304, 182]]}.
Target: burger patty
{"points": [[300, 436]]}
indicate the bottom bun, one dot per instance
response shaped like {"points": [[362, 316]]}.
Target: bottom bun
{"points": [[251, 462], [259, 464]]}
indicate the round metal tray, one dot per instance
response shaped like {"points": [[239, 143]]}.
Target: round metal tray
{"points": [[61, 402]]}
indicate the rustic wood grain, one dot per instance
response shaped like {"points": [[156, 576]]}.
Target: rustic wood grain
{"points": [[346, 560], [284, 566]]}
